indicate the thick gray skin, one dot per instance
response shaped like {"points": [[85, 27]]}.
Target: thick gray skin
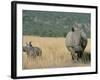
{"points": [[76, 42], [32, 51]]}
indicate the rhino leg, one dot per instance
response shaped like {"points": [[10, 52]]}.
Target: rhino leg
{"points": [[79, 55], [72, 54], [74, 57]]}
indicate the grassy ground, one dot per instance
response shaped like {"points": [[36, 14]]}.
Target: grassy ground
{"points": [[54, 53]]}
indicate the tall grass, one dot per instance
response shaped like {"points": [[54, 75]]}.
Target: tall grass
{"points": [[54, 53]]}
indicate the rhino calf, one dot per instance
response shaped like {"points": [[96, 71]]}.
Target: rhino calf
{"points": [[32, 51]]}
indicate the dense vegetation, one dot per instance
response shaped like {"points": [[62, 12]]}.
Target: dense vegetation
{"points": [[53, 24]]}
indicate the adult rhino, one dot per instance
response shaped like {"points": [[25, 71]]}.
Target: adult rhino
{"points": [[76, 41], [32, 51]]}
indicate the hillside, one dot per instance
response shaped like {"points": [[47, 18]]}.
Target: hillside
{"points": [[53, 24]]}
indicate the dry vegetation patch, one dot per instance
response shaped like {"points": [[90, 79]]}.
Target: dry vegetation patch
{"points": [[54, 53]]}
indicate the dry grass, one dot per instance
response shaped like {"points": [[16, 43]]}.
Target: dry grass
{"points": [[54, 53], [88, 47]]}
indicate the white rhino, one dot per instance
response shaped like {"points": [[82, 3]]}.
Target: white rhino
{"points": [[76, 41]]}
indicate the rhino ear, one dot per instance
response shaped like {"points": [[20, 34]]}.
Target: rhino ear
{"points": [[26, 44], [30, 42], [73, 29]]}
